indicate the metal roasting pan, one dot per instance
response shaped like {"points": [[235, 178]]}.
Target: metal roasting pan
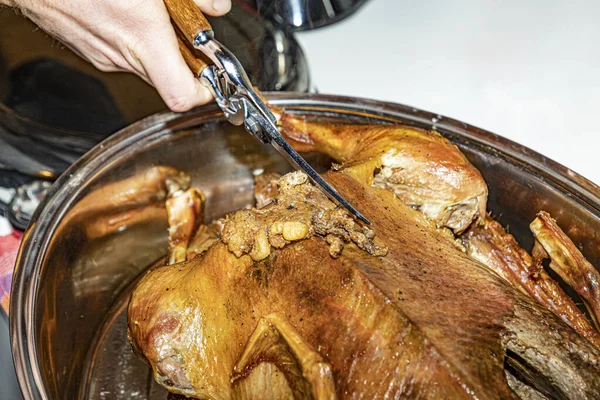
{"points": [[72, 282]]}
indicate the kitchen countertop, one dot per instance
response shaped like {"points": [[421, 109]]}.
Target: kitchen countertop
{"points": [[527, 70]]}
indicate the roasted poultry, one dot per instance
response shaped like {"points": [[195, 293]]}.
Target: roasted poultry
{"points": [[295, 299]]}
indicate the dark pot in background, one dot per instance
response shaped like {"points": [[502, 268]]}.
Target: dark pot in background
{"points": [[301, 15]]}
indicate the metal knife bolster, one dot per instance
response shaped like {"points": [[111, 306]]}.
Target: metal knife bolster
{"points": [[240, 103], [228, 81]]}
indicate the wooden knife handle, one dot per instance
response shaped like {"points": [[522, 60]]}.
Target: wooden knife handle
{"points": [[189, 21], [193, 58], [188, 18]]}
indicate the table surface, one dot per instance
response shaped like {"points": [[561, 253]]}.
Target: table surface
{"points": [[527, 70]]}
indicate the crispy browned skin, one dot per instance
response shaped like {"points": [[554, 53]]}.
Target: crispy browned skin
{"points": [[494, 247], [138, 198], [568, 262], [373, 346], [185, 211], [383, 324], [422, 168], [433, 176], [150, 186], [264, 313]]}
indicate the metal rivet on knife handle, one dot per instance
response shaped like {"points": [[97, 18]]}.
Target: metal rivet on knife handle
{"points": [[194, 61]]}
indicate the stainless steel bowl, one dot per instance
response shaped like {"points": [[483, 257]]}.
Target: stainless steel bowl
{"points": [[72, 285]]}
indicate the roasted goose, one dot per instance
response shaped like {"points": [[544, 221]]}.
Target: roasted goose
{"points": [[295, 299]]}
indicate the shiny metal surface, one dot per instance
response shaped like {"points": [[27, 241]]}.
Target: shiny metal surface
{"points": [[299, 15], [79, 259], [235, 95], [234, 109], [228, 80]]}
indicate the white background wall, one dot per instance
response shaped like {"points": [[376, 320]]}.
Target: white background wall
{"points": [[528, 70]]}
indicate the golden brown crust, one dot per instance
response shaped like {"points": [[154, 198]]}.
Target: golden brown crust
{"points": [[422, 168], [568, 262], [490, 244], [424, 321], [185, 212]]}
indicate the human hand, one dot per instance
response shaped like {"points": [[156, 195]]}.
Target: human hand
{"points": [[126, 35]]}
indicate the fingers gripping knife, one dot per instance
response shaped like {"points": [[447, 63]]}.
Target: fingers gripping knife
{"points": [[233, 91]]}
